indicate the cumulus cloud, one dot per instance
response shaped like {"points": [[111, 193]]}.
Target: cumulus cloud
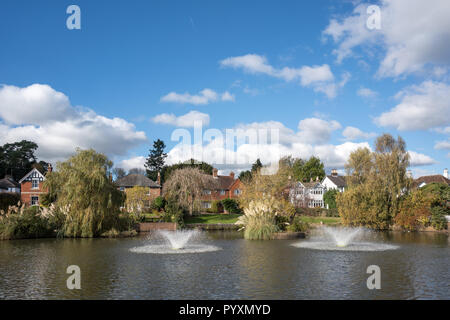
{"points": [[269, 141], [204, 97], [45, 116], [187, 120], [413, 34], [440, 145], [420, 159], [320, 78], [422, 107], [134, 162], [352, 133]]}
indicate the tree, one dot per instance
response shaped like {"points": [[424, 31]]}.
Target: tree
{"points": [[374, 201], [329, 198], [17, 158], [119, 173], [83, 190], [191, 163], [156, 159], [245, 176], [359, 165], [186, 186], [306, 170], [256, 166], [137, 199]]}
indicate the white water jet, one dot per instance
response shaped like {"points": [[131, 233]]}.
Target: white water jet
{"points": [[172, 242], [343, 239]]}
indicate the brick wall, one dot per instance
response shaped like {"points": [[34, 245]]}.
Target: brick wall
{"points": [[27, 192], [152, 226]]}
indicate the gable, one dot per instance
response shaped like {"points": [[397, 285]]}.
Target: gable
{"points": [[33, 175]]}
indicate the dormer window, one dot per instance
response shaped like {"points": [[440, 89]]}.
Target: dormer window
{"points": [[35, 184]]}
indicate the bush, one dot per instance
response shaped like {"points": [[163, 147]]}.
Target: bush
{"points": [[158, 203], [329, 198], [297, 225], [333, 212], [21, 223], [231, 206], [259, 220], [282, 222], [8, 199], [438, 220], [173, 213]]}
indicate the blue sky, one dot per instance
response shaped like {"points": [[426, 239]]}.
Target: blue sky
{"points": [[104, 86]]}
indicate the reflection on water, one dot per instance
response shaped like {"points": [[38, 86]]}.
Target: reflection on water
{"points": [[36, 269]]}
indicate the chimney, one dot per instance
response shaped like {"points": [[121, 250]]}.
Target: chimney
{"points": [[158, 179], [215, 173], [317, 178], [409, 174], [445, 173], [334, 173], [232, 174], [49, 168]]}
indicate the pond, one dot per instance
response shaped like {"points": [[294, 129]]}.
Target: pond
{"points": [[415, 267]]}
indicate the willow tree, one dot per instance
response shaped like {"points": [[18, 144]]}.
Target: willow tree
{"points": [[380, 181], [85, 193], [187, 186]]}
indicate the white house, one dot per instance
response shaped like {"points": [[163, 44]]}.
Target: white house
{"points": [[334, 181], [307, 194]]}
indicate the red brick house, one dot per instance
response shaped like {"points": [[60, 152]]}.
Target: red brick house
{"points": [[31, 186], [139, 180], [227, 187]]}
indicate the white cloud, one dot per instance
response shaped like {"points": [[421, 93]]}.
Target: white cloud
{"points": [[367, 93], [205, 96], [413, 34], [320, 78], [421, 107], [440, 145], [316, 131], [420, 159], [311, 139], [56, 134], [135, 162], [37, 104], [187, 120], [352, 133]]}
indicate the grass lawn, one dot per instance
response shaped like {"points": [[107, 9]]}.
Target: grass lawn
{"points": [[212, 218], [325, 220]]}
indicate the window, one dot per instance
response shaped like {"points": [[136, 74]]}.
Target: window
{"points": [[316, 203], [222, 192], [122, 188], [35, 184], [206, 205], [34, 201], [237, 192], [206, 191]]}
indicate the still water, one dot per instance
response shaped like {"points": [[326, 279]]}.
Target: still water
{"points": [[36, 269]]}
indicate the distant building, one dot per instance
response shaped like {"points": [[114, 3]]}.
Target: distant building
{"points": [[7, 184], [424, 180], [32, 188], [334, 181], [139, 180], [307, 194], [227, 187]]}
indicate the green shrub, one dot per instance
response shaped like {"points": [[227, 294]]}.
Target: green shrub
{"points": [[216, 206], [173, 213], [297, 225], [8, 199], [333, 212], [158, 203], [282, 222], [329, 198], [438, 220], [231, 206]]}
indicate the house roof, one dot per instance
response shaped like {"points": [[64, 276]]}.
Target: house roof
{"points": [[430, 179], [35, 171], [224, 182], [8, 182], [339, 181], [139, 180]]}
